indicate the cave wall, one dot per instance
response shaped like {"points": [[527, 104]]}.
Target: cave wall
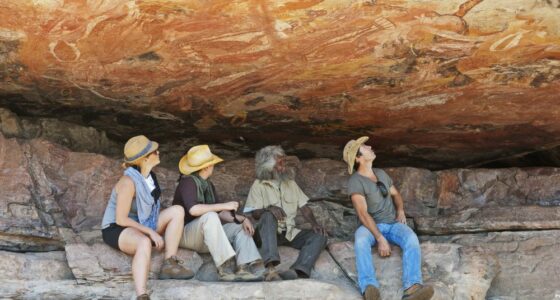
{"points": [[437, 84]]}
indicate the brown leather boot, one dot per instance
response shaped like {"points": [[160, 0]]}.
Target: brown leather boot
{"points": [[243, 274], [143, 297], [172, 269], [372, 293], [225, 270], [289, 274], [418, 292], [271, 274]]}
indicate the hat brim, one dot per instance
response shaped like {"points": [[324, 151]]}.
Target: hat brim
{"points": [[153, 147], [354, 151], [186, 169]]}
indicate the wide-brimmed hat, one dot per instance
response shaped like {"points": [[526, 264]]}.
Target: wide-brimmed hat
{"points": [[138, 147], [350, 151], [197, 158]]}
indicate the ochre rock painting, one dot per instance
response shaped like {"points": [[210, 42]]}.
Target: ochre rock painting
{"points": [[434, 83]]}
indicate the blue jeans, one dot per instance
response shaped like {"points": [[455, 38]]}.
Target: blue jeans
{"points": [[396, 233]]}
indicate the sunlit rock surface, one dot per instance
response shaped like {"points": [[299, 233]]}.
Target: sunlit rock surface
{"points": [[436, 83]]}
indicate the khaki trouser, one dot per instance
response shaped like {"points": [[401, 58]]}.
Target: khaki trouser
{"points": [[206, 234]]}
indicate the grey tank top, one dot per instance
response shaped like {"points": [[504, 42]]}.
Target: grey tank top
{"points": [[110, 212]]}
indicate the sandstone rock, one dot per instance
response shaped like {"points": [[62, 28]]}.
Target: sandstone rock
{"points": [[72, 188], [491, 219], [48, 266], [83, 182], [459, 189], [99, 262], [325, 268], [280, 74], [174, 289], [324, 179], [418, 187], [25, 223], [340, 221], [528, 261], [10, 125], [455, 272]]}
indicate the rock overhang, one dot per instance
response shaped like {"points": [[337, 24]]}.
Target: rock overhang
{"points": [[435, 84]]}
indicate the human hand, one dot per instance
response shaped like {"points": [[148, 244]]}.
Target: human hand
{"points": [[383, 247], [278, 212], [248, 226], [401, 217], [320, 229], [157, 239], [231, 205]]}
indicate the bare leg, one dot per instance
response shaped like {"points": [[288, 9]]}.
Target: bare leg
{"points": [[133, 242], [170, 225]]}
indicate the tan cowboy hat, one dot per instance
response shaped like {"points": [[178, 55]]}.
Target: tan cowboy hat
{"points": [[138, 147], [197, 158], [350, 151]]}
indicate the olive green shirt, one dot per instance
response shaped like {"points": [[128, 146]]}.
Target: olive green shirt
{"points": [[382, 209], [285, 194]]}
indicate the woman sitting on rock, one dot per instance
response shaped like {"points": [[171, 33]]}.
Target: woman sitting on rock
{"points": [[133, 222]]}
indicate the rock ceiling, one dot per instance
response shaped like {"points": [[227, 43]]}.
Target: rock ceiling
{"points": [[434, 83]]}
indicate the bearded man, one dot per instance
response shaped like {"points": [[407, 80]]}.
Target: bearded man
{"points": [[272, 203]]}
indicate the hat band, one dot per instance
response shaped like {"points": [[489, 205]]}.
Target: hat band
{"points": [[141, 153]]}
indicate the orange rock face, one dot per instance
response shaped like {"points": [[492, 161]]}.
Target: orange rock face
{"points": [[435, 83]]}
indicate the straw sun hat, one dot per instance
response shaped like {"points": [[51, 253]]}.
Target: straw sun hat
{"points": [[138, 147], [197, 158], [350, 151]]}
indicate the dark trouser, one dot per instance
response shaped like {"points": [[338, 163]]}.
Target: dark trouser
{"points": [[308, 242]]}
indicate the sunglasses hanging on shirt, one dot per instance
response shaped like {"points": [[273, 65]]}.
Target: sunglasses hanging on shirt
{"points": [[382, 188]]}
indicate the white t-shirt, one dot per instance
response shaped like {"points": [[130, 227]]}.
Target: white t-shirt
{"points": [[150, 181]]}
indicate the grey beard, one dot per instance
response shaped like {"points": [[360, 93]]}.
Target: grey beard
{"points": [[286, 175]]}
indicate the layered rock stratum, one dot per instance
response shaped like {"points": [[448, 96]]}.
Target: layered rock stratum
{"points": [[437, 84], [485, 233]]}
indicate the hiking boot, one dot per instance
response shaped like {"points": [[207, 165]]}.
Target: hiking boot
{"points": [[172, 269], [271, 275], [143, 297], [289, 274], [371, 293], [225, 270], [418, 292], [243, 274]]}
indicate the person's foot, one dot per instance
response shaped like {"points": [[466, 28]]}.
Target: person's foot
{"points": [[289, 274], [271, 274], [172, 269], [243, 274], [418, 292], [143, 297], [372, 293], [225, 270]]}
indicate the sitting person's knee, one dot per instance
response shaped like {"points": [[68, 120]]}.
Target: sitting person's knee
{"points": [[178, 211], [210, 215], [268, 216], [144, 244], [412, 242], [210, 218]]}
